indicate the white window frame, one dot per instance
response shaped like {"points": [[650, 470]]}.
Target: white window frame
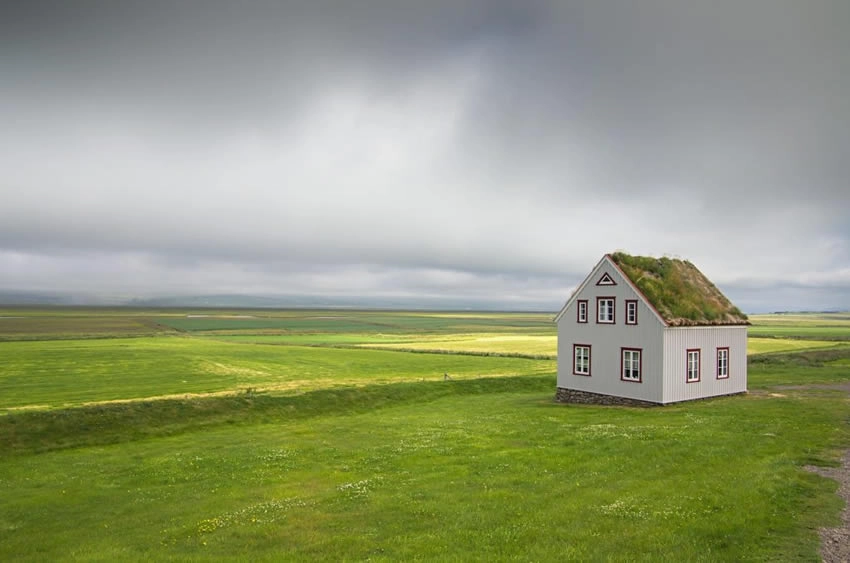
{"points": [[581, 314], [693, 365], [631, 366], [610, 317], [723, 362], [631, 312], [581, 362]]}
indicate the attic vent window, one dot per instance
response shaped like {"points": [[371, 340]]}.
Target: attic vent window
{"points": [[606, 279]]}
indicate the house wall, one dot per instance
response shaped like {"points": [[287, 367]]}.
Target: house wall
{"points": [[677, 341], [606, 341]]}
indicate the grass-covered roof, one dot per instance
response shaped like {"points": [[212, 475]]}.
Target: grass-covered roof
{"points": [[680, 293]]}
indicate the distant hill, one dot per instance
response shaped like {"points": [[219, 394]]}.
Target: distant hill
{"points": [[236, 301], [320, 302], [34, 298]]}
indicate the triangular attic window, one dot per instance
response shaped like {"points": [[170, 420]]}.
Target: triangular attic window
{"points": [[606, 280]]}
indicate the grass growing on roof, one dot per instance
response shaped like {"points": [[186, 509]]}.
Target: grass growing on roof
{"points": [[679, 291]]}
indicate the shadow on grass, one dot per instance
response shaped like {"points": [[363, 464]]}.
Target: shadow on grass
{"points": [[815, 357], [110, 423]]}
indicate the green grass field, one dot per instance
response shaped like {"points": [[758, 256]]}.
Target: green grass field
{"points": [[72, 372], [297, 444], [820, 326]]}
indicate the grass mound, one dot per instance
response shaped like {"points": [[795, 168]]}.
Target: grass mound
{"points": [[110, 423]]}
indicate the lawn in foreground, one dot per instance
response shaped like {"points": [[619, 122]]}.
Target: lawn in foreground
{"points": [[464, 476]]}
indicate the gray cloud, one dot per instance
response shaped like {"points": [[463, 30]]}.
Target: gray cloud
{"points": [[441, 148]]}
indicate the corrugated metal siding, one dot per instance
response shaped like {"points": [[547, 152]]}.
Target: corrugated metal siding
{"points": [[606, 340], [677, 341]]}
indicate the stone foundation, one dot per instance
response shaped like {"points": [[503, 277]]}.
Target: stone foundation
{"points": [[587, 398]]}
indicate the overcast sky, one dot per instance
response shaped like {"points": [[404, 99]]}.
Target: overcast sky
{"points": [[448, 148]]}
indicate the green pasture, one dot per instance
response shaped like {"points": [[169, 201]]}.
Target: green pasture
{"points": [[814, 326], [530, 344], [756, 345], [294, 435], [359, 321], [460, 342], [802, 319], [71, 372], [485, 469], [41, 326], [518, 344]]}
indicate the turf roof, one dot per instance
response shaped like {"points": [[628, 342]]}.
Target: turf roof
{"points": [[680, 293]]}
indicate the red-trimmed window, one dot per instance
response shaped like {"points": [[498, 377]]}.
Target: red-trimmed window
{"points": [[581, 359], [631, 311], [605, 310], [581, 311], [630, 364], [723, 363], [693, 367]]}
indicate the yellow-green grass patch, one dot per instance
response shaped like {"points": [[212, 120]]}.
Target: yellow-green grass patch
{"points": [[524, 344], [71, 372]]}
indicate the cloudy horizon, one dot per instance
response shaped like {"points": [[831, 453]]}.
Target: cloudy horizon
{"points": [[476, 150]]}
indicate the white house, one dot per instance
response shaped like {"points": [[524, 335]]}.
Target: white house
{"points": [[649, 330]]}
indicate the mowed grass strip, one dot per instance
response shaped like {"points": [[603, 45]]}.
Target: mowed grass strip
{"points": [[533, 345], [68, 372], [442, 471], [17, 327], [804, 332], [333, 321], [757, 345], [812, 326], [500, 343]]}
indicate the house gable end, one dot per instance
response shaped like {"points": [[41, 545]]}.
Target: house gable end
{"points": [[574, 297], [605, 270]]}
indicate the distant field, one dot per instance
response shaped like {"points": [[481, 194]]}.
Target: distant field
{"points": [[816, 326], [532, 345], [771, 345], [362, 321], [19, 327], [802, 319], [68, 372], [485, 343]]}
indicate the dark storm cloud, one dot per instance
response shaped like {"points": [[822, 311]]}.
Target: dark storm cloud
{"points": [[419, 148]]}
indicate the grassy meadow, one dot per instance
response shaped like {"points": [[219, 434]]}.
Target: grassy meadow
{"points": [[337, 435]]}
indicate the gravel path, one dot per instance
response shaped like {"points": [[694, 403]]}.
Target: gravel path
{"points": [[835, 542]]}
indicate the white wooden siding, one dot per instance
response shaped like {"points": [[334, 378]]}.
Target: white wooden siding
{"points": [[606, 341], [678, 340]]}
